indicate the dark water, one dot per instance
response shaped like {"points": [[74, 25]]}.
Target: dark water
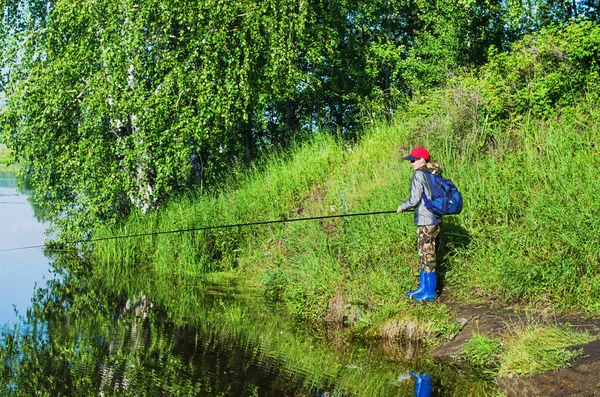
{"points": [[237, 346], [20, 270], [131, 332]]}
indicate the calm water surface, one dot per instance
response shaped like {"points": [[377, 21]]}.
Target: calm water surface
{"points": [[126, 331], [21, 270]]}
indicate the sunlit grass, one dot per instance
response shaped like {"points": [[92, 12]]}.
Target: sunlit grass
{"points": [[484, 354], [530, 207], [535, 349], [525, 349]]}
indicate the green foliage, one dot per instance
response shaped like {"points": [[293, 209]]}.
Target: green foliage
{"points": [[121, 104], [483, 354], [545, 72], [113, 105], [538, 349]]}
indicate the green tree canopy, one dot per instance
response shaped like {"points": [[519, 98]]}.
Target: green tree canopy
{"points": [[120, 103]]}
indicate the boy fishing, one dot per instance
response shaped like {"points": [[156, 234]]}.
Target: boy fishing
{"points": [[427, 223]]}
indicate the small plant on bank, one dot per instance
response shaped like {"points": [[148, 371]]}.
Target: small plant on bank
{"points": [[526, 350], [483, 354], [537, 349]]}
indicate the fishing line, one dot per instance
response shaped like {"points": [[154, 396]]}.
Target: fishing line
{"points": [[229, 226]]}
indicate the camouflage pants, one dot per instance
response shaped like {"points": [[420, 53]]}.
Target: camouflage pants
{"points": [[427, 246]]}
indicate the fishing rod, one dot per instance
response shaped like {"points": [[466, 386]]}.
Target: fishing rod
{"points": [[195, 229]]}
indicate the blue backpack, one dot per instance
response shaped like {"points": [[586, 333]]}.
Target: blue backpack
{"points": [[445, 197]]}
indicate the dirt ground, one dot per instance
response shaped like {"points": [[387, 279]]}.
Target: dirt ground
{"points": [[488, 318]]}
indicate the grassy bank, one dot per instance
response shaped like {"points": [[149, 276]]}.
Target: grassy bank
{"points": [[530, 206], [525, 350], [523, 152], [363, 264]]}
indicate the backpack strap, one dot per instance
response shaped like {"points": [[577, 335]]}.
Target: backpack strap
{"points": [[430, 181]]}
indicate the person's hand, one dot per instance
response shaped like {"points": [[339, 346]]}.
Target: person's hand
{"points": [[399, 210]]}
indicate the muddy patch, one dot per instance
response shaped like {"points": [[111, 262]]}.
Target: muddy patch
{"points": [[581, 379], [402, 339], [490, 319]]}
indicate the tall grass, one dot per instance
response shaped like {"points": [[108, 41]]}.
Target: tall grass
{"points": [[535, 349], [533, 218], [527, 234], [525, 349]]}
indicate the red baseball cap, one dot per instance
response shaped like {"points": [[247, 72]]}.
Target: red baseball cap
{"points": [[418, 153]]}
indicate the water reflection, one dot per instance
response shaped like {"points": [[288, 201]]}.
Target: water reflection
{"points": [[92, 333], [20, 270], [423, 384]]}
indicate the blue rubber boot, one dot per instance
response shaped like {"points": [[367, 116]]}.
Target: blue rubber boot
{"points": [[428, 293], [421, 286], [423, 385]]}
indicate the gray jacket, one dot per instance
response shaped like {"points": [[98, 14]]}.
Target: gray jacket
{"points": [[420, 185]]}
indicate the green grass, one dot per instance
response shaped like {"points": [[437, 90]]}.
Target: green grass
{"points": [[370, 261], [484, 354], [535, 349], [530, 199], [525, 349]]}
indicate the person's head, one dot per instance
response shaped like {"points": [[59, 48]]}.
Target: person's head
{"points": [[418, 157]]}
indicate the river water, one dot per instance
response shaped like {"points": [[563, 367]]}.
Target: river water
{"points": [[20, 270], [128, 332]]}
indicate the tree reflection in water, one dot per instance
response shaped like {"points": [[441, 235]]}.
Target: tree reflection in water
{"points": [[89, 333]]}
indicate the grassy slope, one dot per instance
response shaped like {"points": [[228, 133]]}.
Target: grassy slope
{"points": [[530, 206], [527, 235]]}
